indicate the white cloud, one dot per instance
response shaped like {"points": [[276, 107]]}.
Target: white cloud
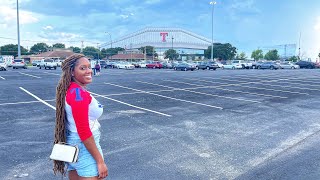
{"points": [[8, 16], [47, 28], [317, 26], [152, 1]]}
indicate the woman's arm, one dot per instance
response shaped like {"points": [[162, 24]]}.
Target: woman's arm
{"points": [[92, 148]]}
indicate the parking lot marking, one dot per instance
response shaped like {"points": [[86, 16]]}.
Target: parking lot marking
{"points": [[130, 105], [2, 78], [36, 97], [217, 107], [29, 75], [27, 102], [180, 89], [52, 73]]}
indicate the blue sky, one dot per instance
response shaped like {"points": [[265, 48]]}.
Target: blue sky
{"points": [[246, 24]]}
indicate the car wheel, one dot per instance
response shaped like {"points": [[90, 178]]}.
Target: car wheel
{"points": [[175, 68], [309, 67], [185, 69], [233, 67], [292, 67], [222, 67], [208, 68], [259, 67], [153, 67], [197, 68], [271, 67]]}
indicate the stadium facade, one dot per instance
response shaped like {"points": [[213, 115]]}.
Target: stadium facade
{"points": [[186, 43]]}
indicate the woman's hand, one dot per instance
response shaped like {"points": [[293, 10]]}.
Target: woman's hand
{"points": [[103, 170]]}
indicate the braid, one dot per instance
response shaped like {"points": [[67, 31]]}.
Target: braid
{"points": [[61, 90]]}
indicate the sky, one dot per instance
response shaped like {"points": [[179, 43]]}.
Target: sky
{"points": [[246, 24]]}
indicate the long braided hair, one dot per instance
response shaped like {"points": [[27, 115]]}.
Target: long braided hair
{"points": [[62, 87]]}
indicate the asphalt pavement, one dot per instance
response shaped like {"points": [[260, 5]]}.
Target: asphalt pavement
{"points": [[166, 124]]}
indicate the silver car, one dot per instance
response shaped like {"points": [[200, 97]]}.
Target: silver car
{"points": [[19, 63]]}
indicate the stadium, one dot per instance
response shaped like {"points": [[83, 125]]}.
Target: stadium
{"points": [[186, 43]]}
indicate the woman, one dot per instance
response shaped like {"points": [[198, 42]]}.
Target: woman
{"points": [[76, 120]]}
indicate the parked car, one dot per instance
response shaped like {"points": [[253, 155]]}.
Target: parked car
{"points": [[306, 64], [103, 64], [48, 64], [232, 66], [3, 65], [36, 62], [185, 67], [154, 65], [208, 65], [19, 63], [268, 65], [125, 65], [289, 65]]}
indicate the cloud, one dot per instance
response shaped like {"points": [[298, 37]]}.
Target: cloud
{"points": [[8, 16], [152, 1], [243, 8], [317, 26], [47, 28]]}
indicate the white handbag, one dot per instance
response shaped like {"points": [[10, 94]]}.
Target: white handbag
{"points": [[65, 153]]}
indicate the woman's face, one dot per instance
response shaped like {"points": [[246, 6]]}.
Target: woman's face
{"points": [[82, 73]]}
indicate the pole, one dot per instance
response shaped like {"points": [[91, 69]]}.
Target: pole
{"points": [[172, 46], [18, 28], [299, 44], [212, 3]]}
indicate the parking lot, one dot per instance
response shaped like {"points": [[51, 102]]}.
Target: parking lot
{"points": [[166, 124]]}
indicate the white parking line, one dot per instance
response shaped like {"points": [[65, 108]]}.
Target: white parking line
{"points": [[52, 73], [239, 99], [29, 75], [36, 97], [217, 107], [131, 105], [2, 78], [27, 102]]}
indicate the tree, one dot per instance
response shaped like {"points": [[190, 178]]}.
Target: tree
{"points": [[150, 51], [222, 51], [91, 51], [58, 45], [257, 54], [112, 51], [241, 56], [38, 48], [272, 55], [11, 49], [171, 54], [75, 49], [294, 58]]}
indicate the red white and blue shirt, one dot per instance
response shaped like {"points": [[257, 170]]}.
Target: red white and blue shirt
{"points": [[82, 110]]}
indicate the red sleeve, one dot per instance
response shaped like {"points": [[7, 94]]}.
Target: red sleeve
{"points": [[79, 101]]}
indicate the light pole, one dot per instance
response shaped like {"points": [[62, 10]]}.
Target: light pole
{"points": [[19, 51], [110, 42], [212, 3], [172, 47]]}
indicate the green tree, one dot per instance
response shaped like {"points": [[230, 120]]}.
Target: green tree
{"points": [[272, 55], [11, 49], [58, 45], [103, 53], [38, 48], [150, 50], [241, 56], [171, 54], [294, 58], [91, 52], [222, 51], [112, 51], [75, 49], [257, 54]]}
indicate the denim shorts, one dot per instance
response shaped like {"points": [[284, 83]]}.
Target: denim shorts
{"points": [[86, 166]]}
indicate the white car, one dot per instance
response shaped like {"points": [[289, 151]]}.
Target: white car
{"points": [[125, 65], [3, 65], [232, 66], [289, 65], [48, 64]]}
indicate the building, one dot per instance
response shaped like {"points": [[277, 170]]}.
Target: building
{"points": [[55, 53], [186, 43]]}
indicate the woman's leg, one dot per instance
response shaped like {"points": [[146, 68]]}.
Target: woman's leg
{"points": [[73, 175], [88, 178]]}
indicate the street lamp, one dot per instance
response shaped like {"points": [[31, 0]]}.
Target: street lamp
{"points": [[212, 3], [110, 41], [18, 31]]}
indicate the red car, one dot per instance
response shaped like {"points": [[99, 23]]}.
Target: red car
{"points": [[154, 65]]}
